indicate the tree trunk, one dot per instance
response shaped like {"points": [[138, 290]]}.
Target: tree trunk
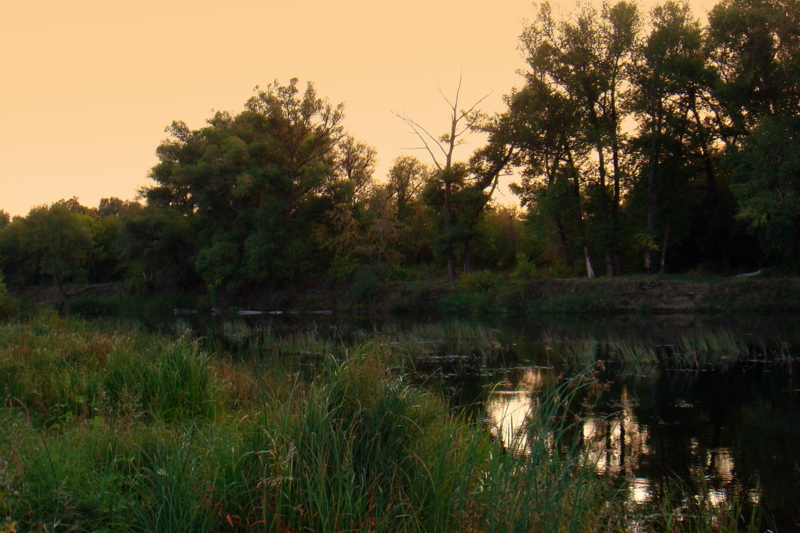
{"points": [[664, 247], [448, 250], [466, 258], [588, 257], [577, 188], [562, 237], [616, 257], [651, 205], [708, 166], [656, 114]]}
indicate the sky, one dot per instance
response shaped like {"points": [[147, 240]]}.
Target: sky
{"points": [[87, 87]]}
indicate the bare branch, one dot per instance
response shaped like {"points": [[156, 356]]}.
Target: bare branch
{"points": [[453, 105], [424, 136], [447, 142], [476, 104]]}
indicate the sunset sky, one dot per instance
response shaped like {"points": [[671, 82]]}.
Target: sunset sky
{"points": [[88, 86]]}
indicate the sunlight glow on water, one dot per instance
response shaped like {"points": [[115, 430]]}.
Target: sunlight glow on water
{"points": [[616, 444], [639, 490], [507, 411], [702, 430]]}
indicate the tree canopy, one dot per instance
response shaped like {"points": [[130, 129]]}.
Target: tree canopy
{"points": [[641, 142]]}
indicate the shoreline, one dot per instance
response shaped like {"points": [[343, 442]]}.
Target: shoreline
{"points": [[472, 294]]}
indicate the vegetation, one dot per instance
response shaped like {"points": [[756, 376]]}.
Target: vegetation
{"points": [[645, 142], [7, 303], [110, 428]]}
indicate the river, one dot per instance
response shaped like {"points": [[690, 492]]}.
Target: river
{"points": [[723, 420]]}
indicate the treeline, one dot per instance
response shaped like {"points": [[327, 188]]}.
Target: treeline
{"points": [[657, 143], [645, 142]]}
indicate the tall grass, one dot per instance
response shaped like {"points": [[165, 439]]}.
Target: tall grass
{"points": [[114, 430], [698, 350]]}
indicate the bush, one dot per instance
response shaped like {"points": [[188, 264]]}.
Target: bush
{"points": [[477, 281], [368, 283], [92, 307], [8, 304]]}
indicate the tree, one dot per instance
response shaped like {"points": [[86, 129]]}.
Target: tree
{"points": [[414, 223], [53, 244], [356, 163], [755, 46], [158, 250], [113, 206], [755, 49], [766, 180], [583, 63], [544, 126], [259, 185], [406, 178], [669, 78], [459, 188]]}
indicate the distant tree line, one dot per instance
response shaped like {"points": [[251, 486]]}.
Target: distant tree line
{"points": [[642, 142]]}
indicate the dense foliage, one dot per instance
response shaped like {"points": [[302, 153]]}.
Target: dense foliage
{"points": [[643, 142], [644, 136]]}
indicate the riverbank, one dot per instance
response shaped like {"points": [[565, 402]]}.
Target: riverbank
{"points": [[110, 428], [478, 293], [634, 294]]}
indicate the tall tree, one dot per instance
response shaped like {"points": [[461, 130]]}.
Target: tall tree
{"points": [[465, 187], [260, 184], [583, 61], [356, 162], [668, 77], [541, 126], [449, 173], [755, 46], [406, 180]]}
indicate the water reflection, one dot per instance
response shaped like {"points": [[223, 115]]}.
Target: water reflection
{"points": [[507, 412], [647, 431], [727, 426], [617, 443], [510, 404], [639, 490]]}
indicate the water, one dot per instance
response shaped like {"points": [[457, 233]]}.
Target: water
{"points": [[733, 436], [725, 421], [728, 429]]}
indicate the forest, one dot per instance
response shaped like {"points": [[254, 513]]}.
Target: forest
{"points": [[640, 142]]}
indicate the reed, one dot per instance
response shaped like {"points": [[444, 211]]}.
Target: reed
{"points": [[698, 350]]}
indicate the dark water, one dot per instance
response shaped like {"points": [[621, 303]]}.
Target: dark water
{"points": [[733, 437], [728, 427]]}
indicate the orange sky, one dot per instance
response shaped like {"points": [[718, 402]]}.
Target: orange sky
{"points": [[88, 86]]}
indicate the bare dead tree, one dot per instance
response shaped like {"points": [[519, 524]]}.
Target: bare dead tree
{"points": [[441, 150]]}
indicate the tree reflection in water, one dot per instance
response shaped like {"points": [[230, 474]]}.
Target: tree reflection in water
{"points": [[647, 434]]}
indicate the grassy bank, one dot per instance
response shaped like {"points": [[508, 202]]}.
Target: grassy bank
{"points": [[487, 293], [109, 428], [479, 293]]}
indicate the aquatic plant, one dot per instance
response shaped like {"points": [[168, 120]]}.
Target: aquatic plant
{"points": [[697, 350]]}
